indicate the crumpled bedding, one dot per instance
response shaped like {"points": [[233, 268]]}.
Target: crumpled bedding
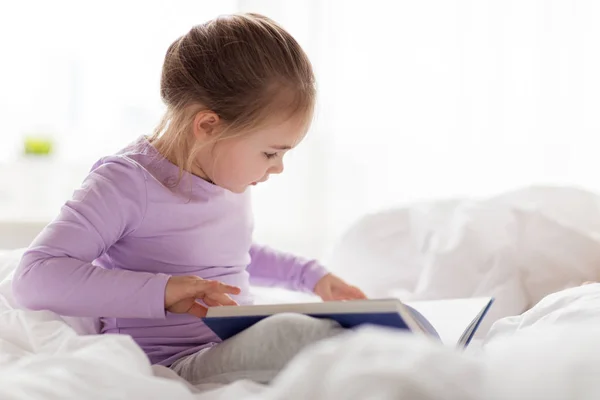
{"points": [[542, 340], [517, 247]]}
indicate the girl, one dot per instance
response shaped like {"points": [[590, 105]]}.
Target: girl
{"points": [[163, 228]]}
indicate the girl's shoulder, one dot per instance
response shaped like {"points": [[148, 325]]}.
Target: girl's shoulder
{"points": [[130, 162], [124, 171], [117, 166]]}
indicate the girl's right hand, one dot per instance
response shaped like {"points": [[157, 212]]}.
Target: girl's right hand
{"points": [[182, 292]]}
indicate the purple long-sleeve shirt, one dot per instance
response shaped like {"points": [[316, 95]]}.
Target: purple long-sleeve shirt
{"points": [[114, 245]]}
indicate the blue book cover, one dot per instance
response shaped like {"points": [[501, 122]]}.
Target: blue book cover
{"points": [[391, 313]]}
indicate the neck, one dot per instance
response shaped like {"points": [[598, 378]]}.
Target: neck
{"points": [[170, 154], [199, 172]]}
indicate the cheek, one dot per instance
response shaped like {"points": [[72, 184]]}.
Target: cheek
{"points": [[240, 167]]}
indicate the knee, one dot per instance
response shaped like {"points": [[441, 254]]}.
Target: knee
{"points": [[291, 325]]}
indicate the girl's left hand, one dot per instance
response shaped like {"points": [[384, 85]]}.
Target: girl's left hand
{"points": [[330, 287]]}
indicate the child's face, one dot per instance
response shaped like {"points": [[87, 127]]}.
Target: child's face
{"points": [[239, 162]]}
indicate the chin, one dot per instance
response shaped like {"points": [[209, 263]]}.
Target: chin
{"points": [[238, 190]]}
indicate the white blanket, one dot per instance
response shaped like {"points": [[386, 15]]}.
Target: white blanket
{"points": [[550, 352]]}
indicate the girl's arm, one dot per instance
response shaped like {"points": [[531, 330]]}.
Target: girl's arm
{"points": [[56, 272], [269, 267]]}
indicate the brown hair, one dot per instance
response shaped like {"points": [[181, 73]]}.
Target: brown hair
{"points": [[243, 67]]}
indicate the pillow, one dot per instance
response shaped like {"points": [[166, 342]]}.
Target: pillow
{"points": [[517, 247]]}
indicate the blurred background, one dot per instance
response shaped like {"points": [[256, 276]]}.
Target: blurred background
{"points": [[418, 100]]}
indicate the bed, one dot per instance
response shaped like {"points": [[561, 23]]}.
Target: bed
{"points": [[530, 249]]}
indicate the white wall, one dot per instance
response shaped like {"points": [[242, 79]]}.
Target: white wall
{"points": [[418, 99]]}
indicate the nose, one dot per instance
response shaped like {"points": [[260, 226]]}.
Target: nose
{"points": [[277, 168]]}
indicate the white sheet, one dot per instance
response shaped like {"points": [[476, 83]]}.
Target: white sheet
{"points": [[41, 356]]}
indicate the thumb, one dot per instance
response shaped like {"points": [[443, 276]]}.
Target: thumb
{"points": [[197, 310]]}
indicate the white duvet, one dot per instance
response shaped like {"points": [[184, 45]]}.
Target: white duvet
{"points": [[551, 351]]}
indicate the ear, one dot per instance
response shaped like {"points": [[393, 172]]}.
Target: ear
{"points": [[206, 124]]}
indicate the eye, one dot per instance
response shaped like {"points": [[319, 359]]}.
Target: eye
{"points": [[270, 155]]}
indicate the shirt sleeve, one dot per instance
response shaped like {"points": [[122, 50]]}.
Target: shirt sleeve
{"points": [[269, 267], [56, 272]]}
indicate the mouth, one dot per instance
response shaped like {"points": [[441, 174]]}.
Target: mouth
{"points": [[257, 182]]}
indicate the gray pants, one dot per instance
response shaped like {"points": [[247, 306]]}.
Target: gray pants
{"points": [[257, 353]]}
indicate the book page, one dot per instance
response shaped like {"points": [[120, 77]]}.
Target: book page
{"points": [[329, 307], [452, 317]]}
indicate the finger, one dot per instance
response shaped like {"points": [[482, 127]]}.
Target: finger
{"points": [[341, 295], [357, 293], [349, 290], [226, 300], [211, 302], [198, 310], [215, 300], [342, 298], [206, 286]]}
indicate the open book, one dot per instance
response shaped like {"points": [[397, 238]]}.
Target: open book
{"points": [[452, 321]]}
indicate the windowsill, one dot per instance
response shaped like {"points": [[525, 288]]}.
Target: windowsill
{"points": [[34, 188]]}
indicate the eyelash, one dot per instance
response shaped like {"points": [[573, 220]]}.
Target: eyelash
{"points": [[270, 155]]}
